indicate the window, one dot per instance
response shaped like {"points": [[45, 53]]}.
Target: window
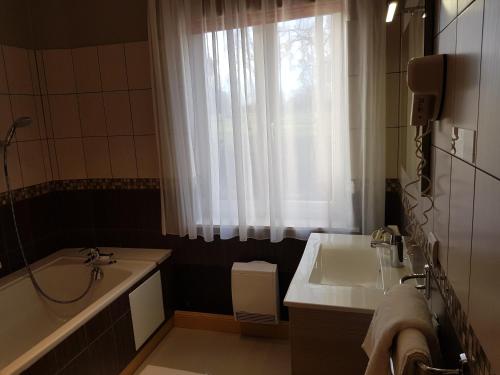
{"points": [[281, 84]]}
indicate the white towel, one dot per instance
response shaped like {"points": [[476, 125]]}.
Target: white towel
{"points": [[411, 349], [402, 308]]}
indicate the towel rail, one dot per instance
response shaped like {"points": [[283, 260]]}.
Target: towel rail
{"points": [[423, 369]]}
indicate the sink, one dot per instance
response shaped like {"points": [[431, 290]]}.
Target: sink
{"points": [[342, 272], [348, 266]]}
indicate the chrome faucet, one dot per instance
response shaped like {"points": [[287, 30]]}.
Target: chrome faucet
{"points": [[96, 258], [387, 238]]}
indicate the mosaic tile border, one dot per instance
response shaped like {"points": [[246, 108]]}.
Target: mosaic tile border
{"points": [[89, 184], [391, 185], [478, 361], [108, 184]]}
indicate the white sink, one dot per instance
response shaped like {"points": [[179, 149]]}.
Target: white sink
{"points": [[348, 266], [342, 272]]}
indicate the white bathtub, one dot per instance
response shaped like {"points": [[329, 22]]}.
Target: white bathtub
{"points": [[30, 326]]}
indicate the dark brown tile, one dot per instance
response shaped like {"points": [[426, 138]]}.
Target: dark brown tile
{"points": [[81, 365], [119, 307], [44, 366], [103, 355], [99, 324], [71, 347], [124, 337]]}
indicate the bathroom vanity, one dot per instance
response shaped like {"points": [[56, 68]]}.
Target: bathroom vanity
{"points": [[331, 299]]}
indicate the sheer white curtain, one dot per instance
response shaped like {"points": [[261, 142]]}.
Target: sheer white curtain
{"points": [[269, 123]]}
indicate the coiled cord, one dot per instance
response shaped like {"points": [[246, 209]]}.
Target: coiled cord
{"points": [[414, 228]]}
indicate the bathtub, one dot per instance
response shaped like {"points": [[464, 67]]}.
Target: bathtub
{"points": [[30, 326]]}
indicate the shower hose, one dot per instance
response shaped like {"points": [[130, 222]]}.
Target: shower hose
{"points": [[27, 266]]}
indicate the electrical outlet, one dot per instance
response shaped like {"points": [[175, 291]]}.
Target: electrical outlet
{"points": [[433, 248]]}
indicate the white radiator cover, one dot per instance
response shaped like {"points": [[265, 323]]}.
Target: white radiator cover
{"points": [[254, 288]]}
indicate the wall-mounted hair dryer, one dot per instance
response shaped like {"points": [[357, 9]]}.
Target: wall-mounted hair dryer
{"points": [[426, 79]]}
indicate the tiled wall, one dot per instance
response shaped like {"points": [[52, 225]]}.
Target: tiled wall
{"points": [[404, 40], [394, 73], [99, 111], [92, 112], [466, 185], [29, 162]]}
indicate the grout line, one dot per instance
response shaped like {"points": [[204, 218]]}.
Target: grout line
{"points": [[131, 116], [104, 111], [497, 178], [471, 241], [476, 138], [79, 116], [106, 91], [449, 218]]}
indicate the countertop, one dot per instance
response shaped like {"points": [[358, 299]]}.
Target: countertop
{"points": [[304, 294]]}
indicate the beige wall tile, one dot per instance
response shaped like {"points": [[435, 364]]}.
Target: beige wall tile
{"points": [[15, 175], [118, 116], [402, 148], [46, 159], [92, 115], [460, 232], [59, 72], [5, 115], [70, 158], [391, 154], [97, 157], [123, 161], [32, 165], [47, 115], [462, 4], [40, 116], [65, 116], [34, 72], [488, 152], [113, 68], [484, 304], [54, 167], [468, 65], [392, 99], [447, 11], [141, 103], [17, 66], [87, 73], [147, 156], [446, 43], [138, 69], [393, 45], [3, 75], [42, 80], [404, 101], [24, 105], [441, 180]]}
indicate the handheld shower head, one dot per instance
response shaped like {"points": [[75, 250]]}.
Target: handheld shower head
{"points": [[20, 122]]}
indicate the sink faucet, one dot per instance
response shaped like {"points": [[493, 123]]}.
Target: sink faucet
{"points": [[95, 257], [387, 238]]}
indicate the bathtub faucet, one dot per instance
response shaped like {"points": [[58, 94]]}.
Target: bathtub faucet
{"points": [[95, 257]]}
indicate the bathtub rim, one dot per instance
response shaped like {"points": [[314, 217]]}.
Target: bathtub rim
{"points": [[121, 253], [28, 358]]}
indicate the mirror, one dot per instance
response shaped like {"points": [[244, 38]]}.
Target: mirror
{"points": [[412, 45]]}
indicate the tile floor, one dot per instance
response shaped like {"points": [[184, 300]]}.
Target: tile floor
{"points": [[217, 353]]}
